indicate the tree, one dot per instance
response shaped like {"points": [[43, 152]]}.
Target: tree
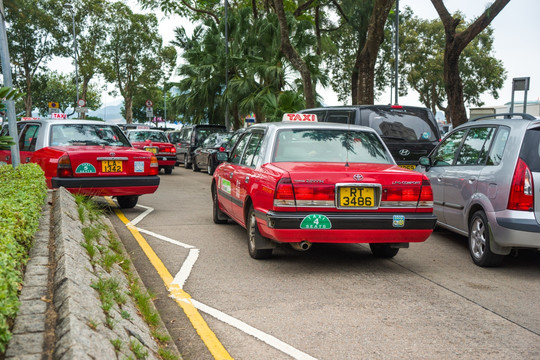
{"points": [[422, 48], [61, 88], [34, 38], [456, 41], [134, 57]]}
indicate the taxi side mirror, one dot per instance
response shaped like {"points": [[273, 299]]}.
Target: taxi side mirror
{"points": [[222, 156]]}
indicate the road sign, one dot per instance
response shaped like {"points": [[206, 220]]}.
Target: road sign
{"points": [[81, 102], [149, 103], [149, 112], [54, 105], [54, 110], [59, 116], [81, 109]]}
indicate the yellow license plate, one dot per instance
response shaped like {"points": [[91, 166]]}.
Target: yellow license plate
{"points": [[151, 149], [410, 167], [356, 196], [111, 166]]}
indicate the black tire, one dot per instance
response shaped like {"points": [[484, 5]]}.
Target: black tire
{"points": [[479, 242], [127, 201], [168, 170], [383, 250], [218, 216], [253, 235], [187, 165], [195, 167]]}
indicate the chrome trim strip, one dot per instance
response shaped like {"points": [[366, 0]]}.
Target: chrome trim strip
{"points": [[112, 158]]}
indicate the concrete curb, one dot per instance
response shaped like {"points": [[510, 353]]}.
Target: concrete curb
{"points": [[61, 315]]}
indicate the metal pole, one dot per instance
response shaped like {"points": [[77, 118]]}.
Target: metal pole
{"points": [[8, 81], [397, 47], [76, 65], [227, 125], [165, 105]]}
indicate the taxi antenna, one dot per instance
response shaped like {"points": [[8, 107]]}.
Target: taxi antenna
{"points": [[347, 145]]}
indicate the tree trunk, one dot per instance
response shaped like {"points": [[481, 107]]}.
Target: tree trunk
{"points": [[292, 55], [128, 103], [455, 43], [367, 56], [28, 97], [84, 91]]}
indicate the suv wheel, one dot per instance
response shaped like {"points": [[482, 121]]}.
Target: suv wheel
{"points": [[187, 165], [479, 241]]}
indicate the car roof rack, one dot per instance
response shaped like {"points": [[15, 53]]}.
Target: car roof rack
{"points": [[506, 116]]}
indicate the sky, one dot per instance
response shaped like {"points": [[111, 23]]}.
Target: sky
{"points": [[516, 30]]}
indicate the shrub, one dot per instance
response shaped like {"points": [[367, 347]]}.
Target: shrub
{"points": [[22, 195]]}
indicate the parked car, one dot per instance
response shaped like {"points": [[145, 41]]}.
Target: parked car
{"points": [[304, 183], [483, 176], [157, 143], [87, 157], [408, 131], [174, 138], [205, 156], [190, 138]]}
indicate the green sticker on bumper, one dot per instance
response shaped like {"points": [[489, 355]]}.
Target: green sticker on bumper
{"points": [[316, 221], [85, 168]]}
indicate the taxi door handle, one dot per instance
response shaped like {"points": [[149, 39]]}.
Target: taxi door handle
{"points": [[231, 175], [247, 179], [28, 159], [472, 179]]}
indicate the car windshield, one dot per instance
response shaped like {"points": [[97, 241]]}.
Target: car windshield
{"points": [[310, 145], [406, 125], [87, 135], [138, 136]]}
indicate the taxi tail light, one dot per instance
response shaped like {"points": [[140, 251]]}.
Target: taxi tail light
{"points": [[314, 195], [426, 194], [221, 149], [64, 166], [154, 167], [284, 194], [521, 192]]}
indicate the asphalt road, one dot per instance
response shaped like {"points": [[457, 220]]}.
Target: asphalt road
{"points": [[333, 301]]}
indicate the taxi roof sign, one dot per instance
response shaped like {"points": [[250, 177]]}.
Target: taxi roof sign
{"points": [[300, 117]]}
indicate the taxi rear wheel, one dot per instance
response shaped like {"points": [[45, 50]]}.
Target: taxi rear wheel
{"points": [[127, 202], [254, 237], [168, 170], [195, 167], [219, 216], [187, 165], [383, 250]]}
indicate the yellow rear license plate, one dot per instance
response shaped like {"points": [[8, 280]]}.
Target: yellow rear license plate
{"points": [[356, 196], [111, 166], [153, 150], [410, 167]]}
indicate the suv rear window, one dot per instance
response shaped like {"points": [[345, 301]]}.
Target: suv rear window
{"points": [[402, 124], [530, 150]]}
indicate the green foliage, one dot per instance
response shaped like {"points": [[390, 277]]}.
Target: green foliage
{"points": [[8, 93], [138, 350], [22, 194]]}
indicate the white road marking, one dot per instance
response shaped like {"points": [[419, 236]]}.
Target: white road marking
{"points": [[181, 277]]}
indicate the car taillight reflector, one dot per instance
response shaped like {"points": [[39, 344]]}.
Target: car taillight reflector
{"points": [[426, 194], [284, 195], [64, 166], [521, 191], [396, 107], [314, 195], [154, 167]]}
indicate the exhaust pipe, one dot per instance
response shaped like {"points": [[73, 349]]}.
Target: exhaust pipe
{"points": [[301, 246]]}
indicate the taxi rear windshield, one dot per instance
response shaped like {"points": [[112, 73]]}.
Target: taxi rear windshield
{"points": [[304, 145], [402, 124], [87, 135]]}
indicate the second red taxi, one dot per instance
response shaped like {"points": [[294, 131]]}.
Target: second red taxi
{"points": [[303, 182], [157, 143]]}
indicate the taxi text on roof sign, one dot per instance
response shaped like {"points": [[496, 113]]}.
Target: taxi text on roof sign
{"points": [[300, 117], [59, 116]]}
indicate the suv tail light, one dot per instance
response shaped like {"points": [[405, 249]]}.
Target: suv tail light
{"points": [[154, 167], [64, 166], [521, 191]]}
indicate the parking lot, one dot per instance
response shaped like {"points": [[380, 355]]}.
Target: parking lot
{"points": [[333, 301]]}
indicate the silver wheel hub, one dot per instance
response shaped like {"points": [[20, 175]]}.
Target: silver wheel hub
{"points": [[478, 238]]}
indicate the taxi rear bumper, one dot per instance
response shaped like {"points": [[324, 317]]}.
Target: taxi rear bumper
{"points": [[108, 186]]}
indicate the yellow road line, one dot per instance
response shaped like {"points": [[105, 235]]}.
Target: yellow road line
{"points": [[181, 297]]}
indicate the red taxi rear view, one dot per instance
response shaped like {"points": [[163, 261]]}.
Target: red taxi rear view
{"points": [[303, 182]]}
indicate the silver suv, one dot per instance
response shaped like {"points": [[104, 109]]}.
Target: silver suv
{"points": [[483, 175]]}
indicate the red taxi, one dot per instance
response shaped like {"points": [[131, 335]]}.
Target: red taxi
{"points": [[157, 143], [87, 157], [303, 182]]}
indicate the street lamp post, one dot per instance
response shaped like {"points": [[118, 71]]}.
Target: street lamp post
{"points": [[72, 10]]}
